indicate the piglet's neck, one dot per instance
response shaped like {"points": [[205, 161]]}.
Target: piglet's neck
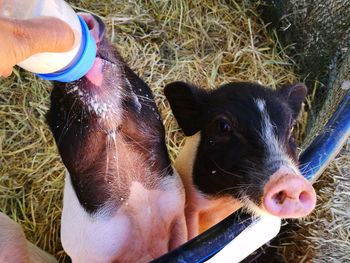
{"points": [[185, 160]]}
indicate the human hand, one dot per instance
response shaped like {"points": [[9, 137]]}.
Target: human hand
{"points": [[20, 39]]}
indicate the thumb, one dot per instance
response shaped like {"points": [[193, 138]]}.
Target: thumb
{"points": [[6, 72], [46, 34]]}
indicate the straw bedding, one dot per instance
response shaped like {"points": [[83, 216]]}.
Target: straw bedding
{"points": [[202, 41]]}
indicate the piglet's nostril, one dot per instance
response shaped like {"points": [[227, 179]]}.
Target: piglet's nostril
{"points": [[90, 24], [279, 197], [304, 197], [89, 20]]}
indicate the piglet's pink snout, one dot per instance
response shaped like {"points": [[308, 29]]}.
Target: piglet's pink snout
{"points": [[288, 195]]}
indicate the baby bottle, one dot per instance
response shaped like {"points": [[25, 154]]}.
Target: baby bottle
{"points": [[60, 66]]}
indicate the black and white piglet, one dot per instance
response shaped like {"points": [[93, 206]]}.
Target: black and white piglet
{"points": [[241, 152], [123, 202]]}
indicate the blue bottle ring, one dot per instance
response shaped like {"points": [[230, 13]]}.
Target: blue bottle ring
{"points": [[83, 64]]}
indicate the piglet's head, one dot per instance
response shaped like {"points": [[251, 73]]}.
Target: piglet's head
{"points": [[246, 148], [82, 112]]}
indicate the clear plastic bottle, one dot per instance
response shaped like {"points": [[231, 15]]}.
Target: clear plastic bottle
{"points": [[62, 66]]}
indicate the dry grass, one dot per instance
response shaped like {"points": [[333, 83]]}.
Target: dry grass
{"points": [[31, 171], [202, 41]]}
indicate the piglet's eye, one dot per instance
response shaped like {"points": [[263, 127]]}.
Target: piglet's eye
{"points": [[224, 127], [220, 129]]}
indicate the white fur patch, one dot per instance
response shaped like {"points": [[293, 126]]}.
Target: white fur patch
{"points": [[129, 233], [90, 238], [261, 104], [185, 160], [276, 152], [202, 212]]}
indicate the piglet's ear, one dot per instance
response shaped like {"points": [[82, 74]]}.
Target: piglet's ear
{"points": [[295, 95], [185, 102]]}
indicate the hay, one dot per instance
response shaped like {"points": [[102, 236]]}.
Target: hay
{"points": [[32, 174], [202, 41]]}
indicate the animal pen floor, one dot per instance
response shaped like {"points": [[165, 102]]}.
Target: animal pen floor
{"points": [[206, 42]]}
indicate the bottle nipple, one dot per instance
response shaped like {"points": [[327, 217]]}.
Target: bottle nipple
{"points": [[82, 65]]}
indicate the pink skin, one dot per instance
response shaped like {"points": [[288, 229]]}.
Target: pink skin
{"points": [[14, 248], [288, 195]]}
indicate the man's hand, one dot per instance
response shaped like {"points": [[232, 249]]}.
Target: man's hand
{"points": [[20, 39]]}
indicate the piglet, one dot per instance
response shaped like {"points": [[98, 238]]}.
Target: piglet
{"points": [[240, 152], [14, 248], [123, 202]]}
